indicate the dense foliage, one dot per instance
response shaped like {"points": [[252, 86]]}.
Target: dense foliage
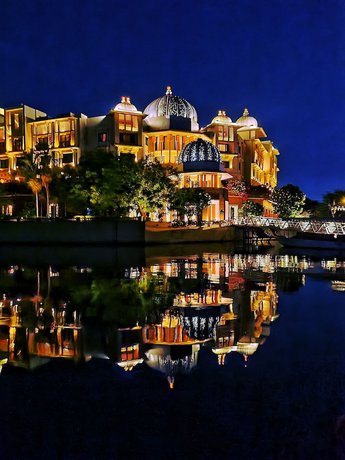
{"points": [[190, 202], [288, 201], [251, 209]]}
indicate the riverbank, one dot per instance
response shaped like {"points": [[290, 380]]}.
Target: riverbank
{"points": [[109, 232], [74, 232], [162, 233]]}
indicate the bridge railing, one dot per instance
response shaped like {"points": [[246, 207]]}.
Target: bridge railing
{"points": [[301, 225]]}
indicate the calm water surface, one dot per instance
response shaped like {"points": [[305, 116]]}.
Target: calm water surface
{"points": [[171, 353]]}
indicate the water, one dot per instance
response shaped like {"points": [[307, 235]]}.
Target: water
{"points": [[171, 353]]}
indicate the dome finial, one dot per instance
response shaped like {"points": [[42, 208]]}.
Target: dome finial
{"points": [[245, 112], [168, 91]]}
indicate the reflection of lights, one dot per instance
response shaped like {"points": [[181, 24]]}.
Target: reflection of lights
{"points": [[338, 286], [2, 362], [82, 269], [130, 364]]}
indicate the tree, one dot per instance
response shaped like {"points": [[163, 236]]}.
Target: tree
{"points": [[154, 189], [117, 192], [250, 209], [86, 186], [29, 171], [237, 188], [43, 158], [335, 201], [288, 201], [61, 186], [190, 202]]}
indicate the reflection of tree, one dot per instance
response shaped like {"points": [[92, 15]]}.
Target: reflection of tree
{"points": [[119, 301], [288, 281]]}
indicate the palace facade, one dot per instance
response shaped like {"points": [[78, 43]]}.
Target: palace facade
{"points": [[213, 157]]}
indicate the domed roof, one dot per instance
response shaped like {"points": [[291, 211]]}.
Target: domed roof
{"points": [[199, 151], [247, 120], [222, 118], [168, 106], [125, 105]]}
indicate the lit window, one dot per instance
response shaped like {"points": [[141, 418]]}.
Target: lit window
{"points": [[64, 140], [102, 138], [16, 120], [64, 126]]}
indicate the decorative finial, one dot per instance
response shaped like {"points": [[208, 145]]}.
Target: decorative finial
{"points": [[123, 100], [220, 113], [128, 100], [245, 112], [168, 91], [171, 381]]}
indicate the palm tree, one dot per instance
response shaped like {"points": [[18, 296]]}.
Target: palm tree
{"points": [[29, 171], [35, 186]]}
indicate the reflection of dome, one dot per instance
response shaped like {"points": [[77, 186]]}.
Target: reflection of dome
{"points": [[246, 348], [199, 151], [172, 360], [246, 120], [222, 118], [125, 105], [161, 110]]}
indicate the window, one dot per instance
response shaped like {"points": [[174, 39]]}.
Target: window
{"points": [[128, 139], [128, 122], [4, 164], [15, 121], [65, 140], [17, 144], [102, 137], [42, 141], [223, 147], [67, 158], [64, 126], [42, 129]]}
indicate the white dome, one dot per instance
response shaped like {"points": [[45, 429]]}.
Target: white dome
{"points": [[222, 118], [246, 120], [125, 105], [161, 109]]}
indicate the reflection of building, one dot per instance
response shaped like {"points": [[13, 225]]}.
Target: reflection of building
{"points": [[129, 347], [173, 329], [162, 131], [48, 336], [224, 337], [172, 360]]}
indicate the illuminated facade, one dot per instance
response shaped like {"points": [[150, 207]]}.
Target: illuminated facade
{"points": [[162, 131]]}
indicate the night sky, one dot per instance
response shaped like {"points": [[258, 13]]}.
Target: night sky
{"points": [[284, 60]]}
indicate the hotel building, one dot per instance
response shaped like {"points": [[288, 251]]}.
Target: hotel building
{"points": [[211, 157]]}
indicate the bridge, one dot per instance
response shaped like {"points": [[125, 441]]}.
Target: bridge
{"points": [[328, 227]]}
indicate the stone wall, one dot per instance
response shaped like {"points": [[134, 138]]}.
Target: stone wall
{"points": [[72, 232]]}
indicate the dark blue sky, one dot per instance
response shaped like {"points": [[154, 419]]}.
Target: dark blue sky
{"points": [[284, 60]]}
